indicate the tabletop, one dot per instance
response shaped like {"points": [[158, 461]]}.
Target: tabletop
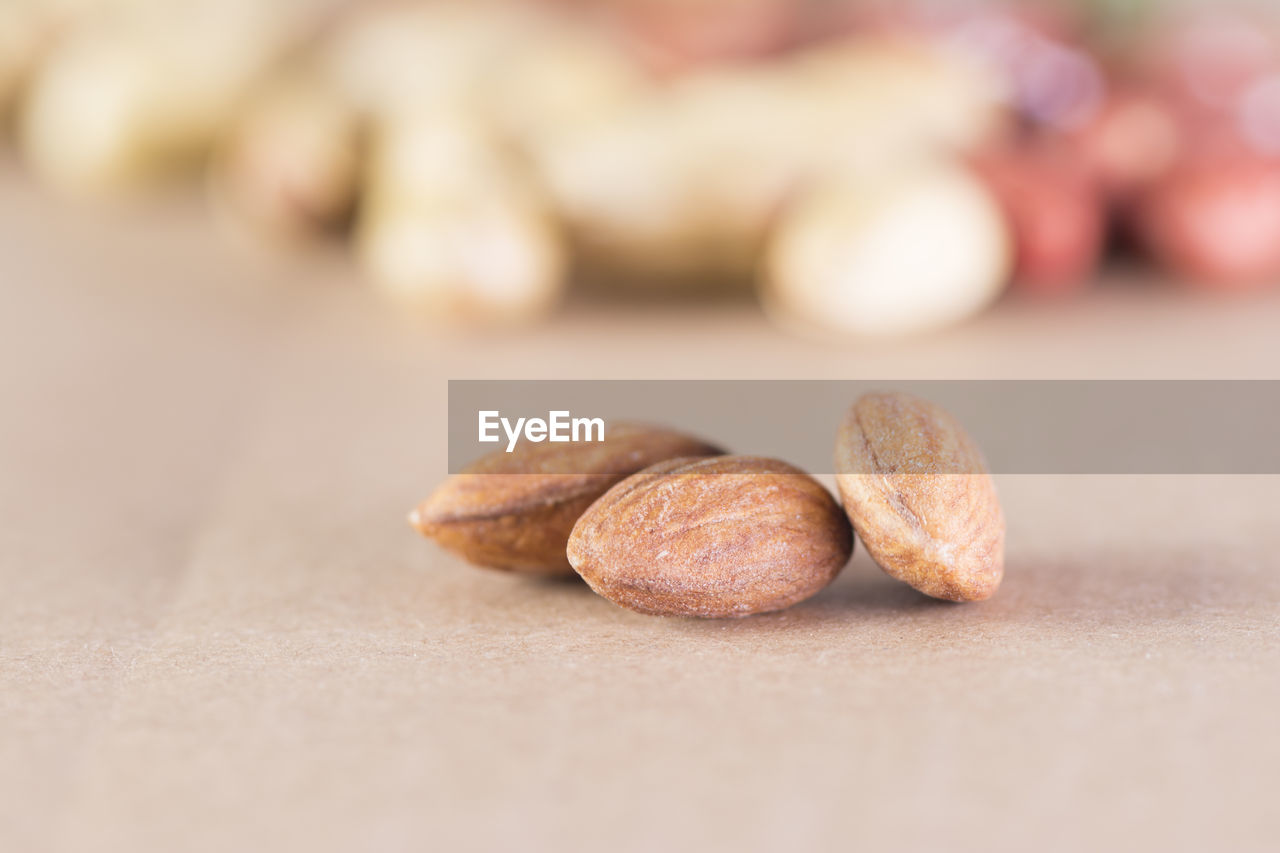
{"points": [[218, 632]]}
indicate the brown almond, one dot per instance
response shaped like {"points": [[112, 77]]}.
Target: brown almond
{"points": [[514, 511], [724, 536], [918, 492]]}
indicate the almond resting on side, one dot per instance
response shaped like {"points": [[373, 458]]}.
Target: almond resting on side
{"points": [[514, 511], [918, 492]]}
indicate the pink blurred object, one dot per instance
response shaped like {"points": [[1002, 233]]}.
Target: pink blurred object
{"points": [[1132, 141], [1209, 56], [1218, 69], [1055, 213], [1038, 50], [1216, 221]]}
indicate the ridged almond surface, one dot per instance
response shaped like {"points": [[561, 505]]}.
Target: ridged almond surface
{"points": [[514, 511], [722, 536], [918, 492]]}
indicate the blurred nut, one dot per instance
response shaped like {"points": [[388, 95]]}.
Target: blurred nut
{"points": [[906, 251], [390, 57], [289, 166], [1054, 211], [514, 511], [450, 226], [559, 75], [1216, 222], [143, 92], [676, 186], [79, 129], [918, 493], [28, 30], [888, 94], [688, 180], [726, 536], [1132, 140]]}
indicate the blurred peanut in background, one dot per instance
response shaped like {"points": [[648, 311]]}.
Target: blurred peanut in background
{"points": [[874, 168]]}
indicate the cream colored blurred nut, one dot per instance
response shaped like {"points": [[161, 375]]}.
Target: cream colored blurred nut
{"points": [[682, 183], [914, 249], [392, 57], [483, 260], [144, 91], [451, 227], [895, 92], [28, 30], [635, 191], [559, 75], [76, 130], [289, 166], [688, 180]]}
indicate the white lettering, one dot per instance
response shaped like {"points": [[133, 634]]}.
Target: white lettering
{"points": [[513, 435], [587, 424], [559, 426], [488, 422], [559, 423]]}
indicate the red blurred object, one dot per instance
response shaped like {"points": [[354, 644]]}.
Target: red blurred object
{"points": [[1216, 221], [1132, 141], [1055, 213]]}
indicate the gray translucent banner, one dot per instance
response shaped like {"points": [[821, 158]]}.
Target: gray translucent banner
{"points": [[1023, 426]]}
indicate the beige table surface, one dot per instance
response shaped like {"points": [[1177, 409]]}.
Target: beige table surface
{"points": [[217, 632]]}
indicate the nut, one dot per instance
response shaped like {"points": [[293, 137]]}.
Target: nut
{"points": [[1216, 222], [1055, 213], [288, 168], [727, 536], [917, 490], [129, 98], [1132, 141], [682, 186], [850, 256], [450, 226], [514, 511]]}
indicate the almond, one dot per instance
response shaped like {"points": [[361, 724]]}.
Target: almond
{"points": [[917, 490], [725, 536], [514, 511]]}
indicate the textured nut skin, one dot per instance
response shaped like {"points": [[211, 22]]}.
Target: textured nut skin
{"points": [[712, 537], [918, 493], [514, 511]]}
